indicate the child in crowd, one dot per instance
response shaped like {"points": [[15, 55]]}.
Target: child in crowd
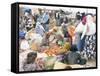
{"points": [[64, 27]]}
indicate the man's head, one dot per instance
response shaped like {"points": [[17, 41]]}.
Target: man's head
{"points": [[31, 57]]}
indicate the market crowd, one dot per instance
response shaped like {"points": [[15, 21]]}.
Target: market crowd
{"points": [[54, 39]]}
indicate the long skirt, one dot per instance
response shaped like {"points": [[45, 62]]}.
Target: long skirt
{"points": [[89, 50]]}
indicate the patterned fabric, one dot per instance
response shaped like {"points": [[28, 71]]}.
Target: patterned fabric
{"points": [[89, 49], [39, 29], [29, 67], [37, 65]]}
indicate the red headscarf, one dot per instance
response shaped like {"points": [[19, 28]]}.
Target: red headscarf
{"points": [[84, 20]]}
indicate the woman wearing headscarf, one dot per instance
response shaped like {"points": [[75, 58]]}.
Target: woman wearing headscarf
{"points": [[78, 33], [89, 30]]}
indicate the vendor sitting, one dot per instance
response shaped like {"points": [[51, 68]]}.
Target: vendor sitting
{"points": [[29, 64], [73, 57]]}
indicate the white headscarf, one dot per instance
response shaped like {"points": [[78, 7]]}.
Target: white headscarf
{"points": [[91, 25]]}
